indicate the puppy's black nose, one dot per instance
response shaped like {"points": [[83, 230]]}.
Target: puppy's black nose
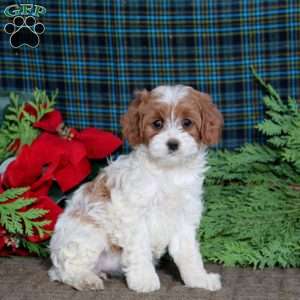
{"points": [[173, 145]]}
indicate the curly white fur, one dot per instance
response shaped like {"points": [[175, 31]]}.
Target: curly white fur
{"points": [[154, 205]]}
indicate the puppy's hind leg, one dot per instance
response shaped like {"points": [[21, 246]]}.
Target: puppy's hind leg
{"points": [[75, 259]]}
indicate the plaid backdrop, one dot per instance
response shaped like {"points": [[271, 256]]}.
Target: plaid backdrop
{"points": [[98, 52]]}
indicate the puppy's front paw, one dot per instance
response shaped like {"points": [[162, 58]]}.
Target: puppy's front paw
{"points": [[144, 281], [88, 282], [208, 281]]}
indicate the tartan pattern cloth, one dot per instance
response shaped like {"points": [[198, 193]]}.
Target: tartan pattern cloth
{"points": [[98, 52]]}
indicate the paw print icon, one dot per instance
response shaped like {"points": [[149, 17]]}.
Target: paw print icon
{"points": [[24, 31]]}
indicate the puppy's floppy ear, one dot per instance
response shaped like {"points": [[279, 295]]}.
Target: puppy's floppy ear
{"points": [[212, 120], [132, 120]]}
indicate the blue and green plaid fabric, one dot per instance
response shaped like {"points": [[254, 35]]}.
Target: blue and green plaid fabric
{"points": [[98, 52]]}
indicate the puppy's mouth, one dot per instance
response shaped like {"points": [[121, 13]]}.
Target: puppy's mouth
{"points": [[167, 156], [174, 156], [173, 153]]}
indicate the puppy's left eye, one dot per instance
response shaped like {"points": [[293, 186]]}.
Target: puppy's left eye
{"points": [[186, 123], [158, 124]]}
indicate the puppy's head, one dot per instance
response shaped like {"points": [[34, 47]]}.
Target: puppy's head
{"points": [[172, 122]]}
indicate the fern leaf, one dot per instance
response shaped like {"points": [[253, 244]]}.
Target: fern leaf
{"points": [[33, 213], [274, 104], [293, 105], [22, 222], [12, 193], [18, 204], [34, 248], [269, 128]]}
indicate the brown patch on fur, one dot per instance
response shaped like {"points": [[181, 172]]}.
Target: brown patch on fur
{"points": [[115, 248], [153, 111], [98, 189], [131, 121], [82, 217], [207, 119], [142, 112], [188, 110]]}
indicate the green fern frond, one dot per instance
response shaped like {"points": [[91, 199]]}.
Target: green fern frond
{"points": [[40, 249], [269, 128], [12, 193], [18, 124], [252, 195], [17, 221]]}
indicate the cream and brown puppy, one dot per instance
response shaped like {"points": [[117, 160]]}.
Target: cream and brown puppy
{"points": [[146, 202]]}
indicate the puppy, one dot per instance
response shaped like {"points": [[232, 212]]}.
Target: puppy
{"points": [[146, 202]]}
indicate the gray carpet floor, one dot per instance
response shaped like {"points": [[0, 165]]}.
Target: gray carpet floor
{"points": [[26, 279]]}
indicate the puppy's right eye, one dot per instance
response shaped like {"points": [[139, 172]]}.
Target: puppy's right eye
{"points": [[186, 123], [158, 124]]}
